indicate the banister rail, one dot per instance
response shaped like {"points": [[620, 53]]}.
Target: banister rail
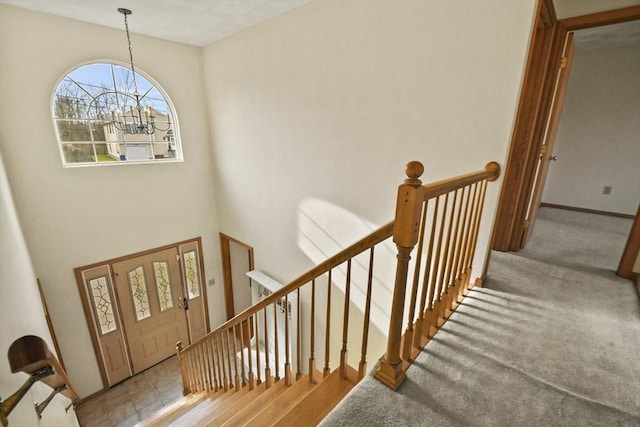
{"points": [[30, 354], [265, 342]]}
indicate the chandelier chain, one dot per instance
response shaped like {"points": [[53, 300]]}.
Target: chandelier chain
{"points": [[135, 85]]}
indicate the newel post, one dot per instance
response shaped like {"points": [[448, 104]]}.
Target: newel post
{"points": [[405, 236]]}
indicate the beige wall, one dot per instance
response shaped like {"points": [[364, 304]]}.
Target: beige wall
{"points": [[21, 313], [73, 217], [314, 114], [598, 141]]}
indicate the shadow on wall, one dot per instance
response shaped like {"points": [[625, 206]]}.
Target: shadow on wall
{"points": [[325, 229]]}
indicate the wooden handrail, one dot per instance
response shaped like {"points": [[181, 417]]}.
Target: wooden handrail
{"points": [[451, 225], [30, 354]]}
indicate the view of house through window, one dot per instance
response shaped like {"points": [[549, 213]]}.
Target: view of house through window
{"points": [[98, 120]]}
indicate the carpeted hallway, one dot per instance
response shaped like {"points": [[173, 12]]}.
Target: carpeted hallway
{"points": [[553, 339]]}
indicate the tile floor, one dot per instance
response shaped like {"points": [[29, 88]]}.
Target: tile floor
{"points": [[135, 399]]}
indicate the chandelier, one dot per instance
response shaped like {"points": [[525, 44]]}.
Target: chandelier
{"points": [[140, 120]]}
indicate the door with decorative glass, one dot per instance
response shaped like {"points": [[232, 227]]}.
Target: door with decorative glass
{"points": [[152, 304]]}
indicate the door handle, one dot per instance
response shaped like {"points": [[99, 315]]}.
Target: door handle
{"points": [[183, 303]]}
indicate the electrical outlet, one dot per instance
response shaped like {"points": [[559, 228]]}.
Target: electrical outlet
{"points": [[607, 190]]}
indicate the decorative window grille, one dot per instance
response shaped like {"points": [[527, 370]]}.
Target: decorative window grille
{"points": [[89, 99], [102, 304]]}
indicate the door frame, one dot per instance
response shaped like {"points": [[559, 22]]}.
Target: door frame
{"points": [[527, 137], [227, 275], [87, 307]]}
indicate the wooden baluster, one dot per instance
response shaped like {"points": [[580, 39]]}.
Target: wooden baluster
{"points": [[431, 319], [425, 303], [312, 334], [246, 336], [460, 237], [275, 341], [453, 241], [214, 364], [228, 357], [442, 314], [221, 371], [267, 368], [475, 220], [226, 371], [405, 236], [207, 364], [256, 328], [237, 378], [192, 384], [200, 368], [408, 334], [483, 191], [298, 337], [362, 367], [287, 343], [185, 388], [344, 353], [464, 279], [327, 370]]}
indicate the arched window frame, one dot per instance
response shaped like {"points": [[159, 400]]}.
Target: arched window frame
{"points": [[115, 146]]}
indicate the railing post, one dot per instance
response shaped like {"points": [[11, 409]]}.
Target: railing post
{"points": [[405, 236], [183, 370]]}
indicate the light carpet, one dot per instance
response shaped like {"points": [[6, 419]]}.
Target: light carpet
{"points": [[553, 339]]}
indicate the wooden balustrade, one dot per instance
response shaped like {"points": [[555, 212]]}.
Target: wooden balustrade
{"points": [[225, 360], [442, 219]]}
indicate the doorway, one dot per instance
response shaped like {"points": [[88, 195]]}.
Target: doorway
{"points": [[237, 261], [139, 306], [512, 225]]}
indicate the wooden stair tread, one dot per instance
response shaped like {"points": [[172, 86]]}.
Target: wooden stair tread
{"points": [[224, 413], [169, 413], [319, 401], [249, 411], [285, 400], [216, 402]]}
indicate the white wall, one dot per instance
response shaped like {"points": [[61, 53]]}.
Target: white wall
{"points": [[315, 113], [73, 217], [22, 314], [598, 141]]}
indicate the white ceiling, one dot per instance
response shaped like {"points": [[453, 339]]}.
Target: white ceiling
{"points": [[202, 22], [192, 22]]}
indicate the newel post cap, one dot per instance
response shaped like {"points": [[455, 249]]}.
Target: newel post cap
{"points": [[414, 170]]}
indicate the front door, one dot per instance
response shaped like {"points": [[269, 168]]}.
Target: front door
{"points": [[152, 302]]}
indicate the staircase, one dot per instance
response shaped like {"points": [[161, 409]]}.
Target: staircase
{"points": [[259, 368]]}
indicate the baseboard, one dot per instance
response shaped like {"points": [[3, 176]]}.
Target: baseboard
{"points": [[586, 210]]}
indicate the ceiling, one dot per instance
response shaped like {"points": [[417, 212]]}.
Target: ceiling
{"points": [[191, 22], [202, 22]]}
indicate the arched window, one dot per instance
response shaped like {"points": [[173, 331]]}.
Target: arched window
{"points": [[99, 122]]}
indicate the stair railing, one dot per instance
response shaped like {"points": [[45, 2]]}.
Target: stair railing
{"points": [[215, 362], [31, 355], [239, 352], [443, 219]]}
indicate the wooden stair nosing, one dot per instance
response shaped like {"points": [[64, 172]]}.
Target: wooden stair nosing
{"points": [[320, 401], [283, 403]]}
